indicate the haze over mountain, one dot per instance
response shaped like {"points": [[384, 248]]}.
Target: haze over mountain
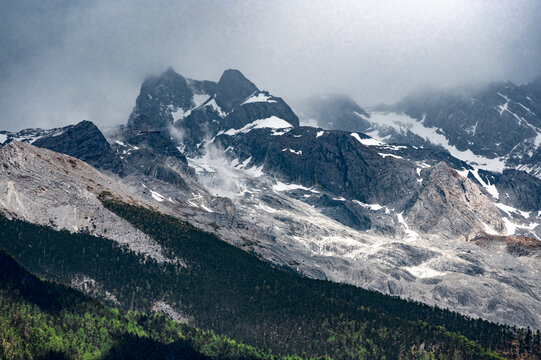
{"points": [[243, 205], [420, 220], [64, 61]]}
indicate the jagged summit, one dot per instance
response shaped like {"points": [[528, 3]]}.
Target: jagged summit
{"points": [[199, 110], [233, 89], [86, 142], [169, 88], [329, 203]]}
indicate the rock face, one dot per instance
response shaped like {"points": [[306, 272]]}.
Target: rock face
{"points": [[48, 188], [468, 120], [407, 219], [335, 161], [519, 189], [333, 112], [233, 88], [197, 110], [496, 126], [155, 155], [85, 142], [259, 105], [149, 112], [452, 205], [165, 99]]}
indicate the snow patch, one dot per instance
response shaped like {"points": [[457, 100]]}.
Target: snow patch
{"points": [[537, 140], [198, 99], [489, 230], [280, 186], [320, 133], [374, 207], [260, 97], [366, 142], [403, 124], [155, 195], [180, 114], [212, 103], [391, 155], [410, 234], [272, 122], [423, 271], [509, 209], [512, 227], [299, 152]]}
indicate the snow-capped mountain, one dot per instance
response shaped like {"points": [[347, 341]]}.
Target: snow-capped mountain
{"points": [[418, 222], [495, 127]]}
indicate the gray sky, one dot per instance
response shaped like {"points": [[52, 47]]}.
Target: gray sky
{"points": [[63, 61]]}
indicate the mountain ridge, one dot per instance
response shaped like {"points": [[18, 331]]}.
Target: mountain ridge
{"points": [[333, 204]]}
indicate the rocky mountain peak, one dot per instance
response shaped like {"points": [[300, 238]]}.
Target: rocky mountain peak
{"points": [[233, 88], [86, 142], [157, 98]]}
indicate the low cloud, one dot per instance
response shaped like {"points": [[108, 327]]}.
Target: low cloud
{"points": [[65, 61]]}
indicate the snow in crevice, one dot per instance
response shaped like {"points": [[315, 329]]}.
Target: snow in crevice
{"points": [[359, 115], [491, 189], [259, 97], [410, 234], [296, 152], [509, 209], [212, 103]]}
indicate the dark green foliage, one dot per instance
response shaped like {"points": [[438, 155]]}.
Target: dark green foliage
{"points": [[235, 294], [44, 320]]}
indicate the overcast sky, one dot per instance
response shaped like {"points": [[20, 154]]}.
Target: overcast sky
{"points": [[65, 61]]}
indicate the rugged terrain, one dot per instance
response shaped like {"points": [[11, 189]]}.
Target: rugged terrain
{"points": [[401, 214]]}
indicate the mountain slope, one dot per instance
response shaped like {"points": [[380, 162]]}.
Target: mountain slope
{"points": [[45, 320], [235, 294], [328, 204], [495, 126]]}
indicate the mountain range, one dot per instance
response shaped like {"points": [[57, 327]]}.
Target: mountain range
{"points": [[435, 199]]}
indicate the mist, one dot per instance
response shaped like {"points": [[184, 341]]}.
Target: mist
{"points": [[65, 61]]}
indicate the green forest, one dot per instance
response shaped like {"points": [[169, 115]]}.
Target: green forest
{"points": [[224, 290], [45, 320]]}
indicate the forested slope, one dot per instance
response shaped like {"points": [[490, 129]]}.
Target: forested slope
{"points": [[235, 294]]}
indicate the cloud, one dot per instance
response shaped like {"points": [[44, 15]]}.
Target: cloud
{"points": [[65, 61]]}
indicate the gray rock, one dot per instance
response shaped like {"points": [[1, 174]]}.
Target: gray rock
{"points": [[84, 141]]}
